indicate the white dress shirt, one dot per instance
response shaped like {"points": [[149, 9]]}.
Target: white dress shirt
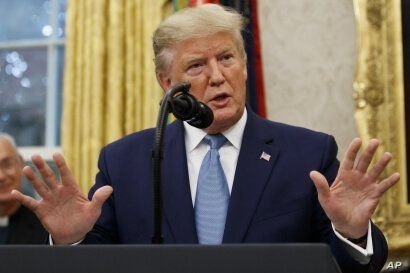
{"points": [[4, 221], [196, 149]]}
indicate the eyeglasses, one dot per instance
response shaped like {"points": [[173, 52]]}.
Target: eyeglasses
{"points": [[8, 164]]}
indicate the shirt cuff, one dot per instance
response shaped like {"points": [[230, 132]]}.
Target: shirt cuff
{"points": [[362, 255], [50, 239]]}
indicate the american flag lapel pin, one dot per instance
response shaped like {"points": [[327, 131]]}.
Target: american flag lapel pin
{"points": [[265, 156]]}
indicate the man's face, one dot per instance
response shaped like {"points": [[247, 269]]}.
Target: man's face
{"points": [[217, 74], [10, 170]]}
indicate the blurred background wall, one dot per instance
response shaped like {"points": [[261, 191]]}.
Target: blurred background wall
{"points": [[309, 63]]}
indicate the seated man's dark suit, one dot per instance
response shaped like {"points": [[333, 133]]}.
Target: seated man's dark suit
{"points": [[272, 200], [25, 228]]}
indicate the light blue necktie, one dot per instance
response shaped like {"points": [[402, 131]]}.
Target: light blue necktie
{"points": [[212, 195]]}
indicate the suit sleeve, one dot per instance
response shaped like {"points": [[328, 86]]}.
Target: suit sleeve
{"points": [[329, 168], [105, 230]]}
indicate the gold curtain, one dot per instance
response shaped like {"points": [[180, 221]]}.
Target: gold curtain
{"points": [[110, 87]]}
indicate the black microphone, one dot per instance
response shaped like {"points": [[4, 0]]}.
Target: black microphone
{"points": [[187, 107]]}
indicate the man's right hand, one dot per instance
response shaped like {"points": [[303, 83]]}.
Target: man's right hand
{"points": [[65, 212]]}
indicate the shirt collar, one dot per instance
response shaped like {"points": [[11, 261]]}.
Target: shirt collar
{"points": [[4, 221], [194, 136]]}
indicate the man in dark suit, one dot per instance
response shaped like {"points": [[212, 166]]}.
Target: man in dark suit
{"points": [[241, 180], [18, 225]]}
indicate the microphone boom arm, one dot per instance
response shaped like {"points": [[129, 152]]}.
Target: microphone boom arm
{"points": [[157, 156]]}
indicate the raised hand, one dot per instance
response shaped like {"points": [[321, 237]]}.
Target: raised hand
{"points": [[65, 212], [354, 195]]}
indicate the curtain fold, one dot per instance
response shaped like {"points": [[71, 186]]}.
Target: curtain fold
{"points": [[110, 87]]}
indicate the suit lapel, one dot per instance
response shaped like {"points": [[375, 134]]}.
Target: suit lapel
{"points": [[255, 163], [177, 203]]}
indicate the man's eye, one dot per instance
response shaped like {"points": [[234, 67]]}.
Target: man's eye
{"points": [[7, 164], [227, 57], [195, 69], [194, 66]]}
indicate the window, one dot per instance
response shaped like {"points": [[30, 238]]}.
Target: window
{"points": [[32, 43]]}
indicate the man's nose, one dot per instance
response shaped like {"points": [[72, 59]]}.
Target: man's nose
{"points": [[216, 77]]}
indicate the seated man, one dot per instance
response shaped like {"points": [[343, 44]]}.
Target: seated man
{"points": [[243, 179], [18, 225]]}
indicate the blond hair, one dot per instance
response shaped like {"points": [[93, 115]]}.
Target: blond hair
{"points": [[197, 22]]}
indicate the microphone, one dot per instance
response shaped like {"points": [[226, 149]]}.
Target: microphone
{"points": [[187, 107]]}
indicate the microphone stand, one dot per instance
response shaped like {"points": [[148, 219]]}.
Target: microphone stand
{"points": [[157, 157]]}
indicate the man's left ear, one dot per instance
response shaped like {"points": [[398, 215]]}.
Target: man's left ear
{"points": [[245, 72]]}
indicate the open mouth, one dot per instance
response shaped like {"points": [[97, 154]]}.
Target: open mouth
{"points": [[220, 97]]}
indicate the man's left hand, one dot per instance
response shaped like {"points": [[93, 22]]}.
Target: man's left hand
{"points": [[354, 195]]}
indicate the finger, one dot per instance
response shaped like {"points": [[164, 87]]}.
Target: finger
{"points": [[35, 181], [389, 182], [367, 156], [321, 184], [65, 172], [100, 196], [351, 153], [45, 171], [27, 201], [380, 166]]}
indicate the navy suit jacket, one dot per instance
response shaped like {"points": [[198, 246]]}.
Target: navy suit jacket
{"points": [[271, 201]]}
